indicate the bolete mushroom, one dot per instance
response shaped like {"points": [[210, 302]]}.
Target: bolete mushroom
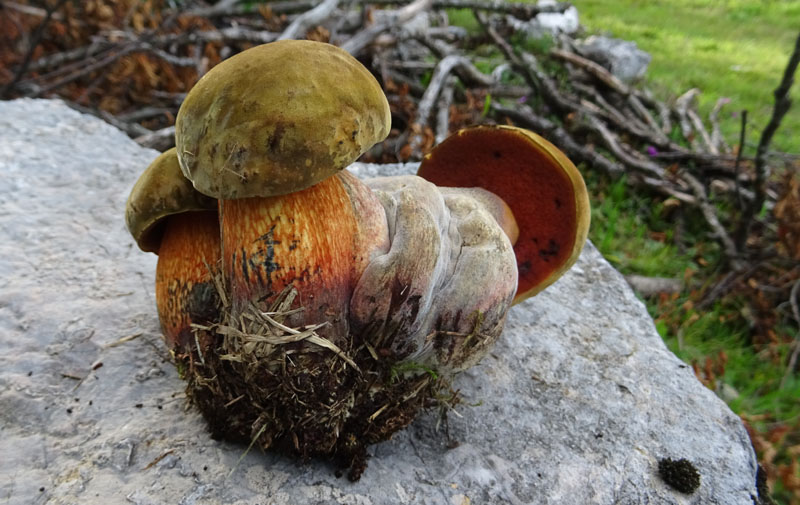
{"points": [[268, 132], [167, 216], [265, 142], [412, 282], [545, 192]]}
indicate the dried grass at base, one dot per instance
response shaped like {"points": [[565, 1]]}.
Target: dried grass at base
{"points": [[259, 381]]}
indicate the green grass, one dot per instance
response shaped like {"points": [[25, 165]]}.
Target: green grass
{"points": [[757, 381], [726, 48], [732, 48]]}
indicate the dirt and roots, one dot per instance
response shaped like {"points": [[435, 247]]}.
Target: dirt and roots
{"points": [[259, 382]]}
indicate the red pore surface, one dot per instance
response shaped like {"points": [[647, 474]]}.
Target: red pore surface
{"points": [[527, 178]]}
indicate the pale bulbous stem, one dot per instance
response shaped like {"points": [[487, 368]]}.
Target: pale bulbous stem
{"points": [[493, 204], [440, 294]]}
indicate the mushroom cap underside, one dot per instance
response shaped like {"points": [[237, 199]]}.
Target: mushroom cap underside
{"points": [[278, 118], [161, 191], [542, 187]]}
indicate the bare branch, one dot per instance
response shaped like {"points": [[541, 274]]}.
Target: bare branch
{"points": [[558, 136], [716, 132], [239, 7], [5, 92], [440, 74], [303, 22], [132, 129], [593, 68], [782, 105], [160, 140], [29, 10], [466, 71], [682, 105], [362, 39], [694, 117], [518, 10], [443, 109], [793, 300]]}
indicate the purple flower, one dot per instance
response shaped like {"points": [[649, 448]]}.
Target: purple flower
{"points": [[651, 151], [523, 99]]}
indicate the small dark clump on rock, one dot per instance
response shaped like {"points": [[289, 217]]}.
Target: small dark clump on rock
{"points": [[680, 474]]}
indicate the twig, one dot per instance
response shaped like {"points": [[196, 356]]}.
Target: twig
{"points": [[528, 67], [362, 39], [123, 51], [796, 343], [160, 140], [159, 458], [736, 167], [611, 143], [123, 340], [239, 7], [59, 59], [29, 10], [518, 10], [710, 214], [782, 105], [438, 79], [694, 117], [682, 105], [593, 94], [664, 115], [443, 110], [132, 129], [642, 111], [650, 286], [559, 136], [144, 113], [303, 22], [593, 68], [34, 42], [465, 69], [716, 133]]}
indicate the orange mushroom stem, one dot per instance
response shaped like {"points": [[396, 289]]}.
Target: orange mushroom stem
{"points": [[185, 291], [318, 240], [168, 217], [544, 191]]}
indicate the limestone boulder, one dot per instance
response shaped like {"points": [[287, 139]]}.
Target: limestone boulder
{"points": [[576, 404]]}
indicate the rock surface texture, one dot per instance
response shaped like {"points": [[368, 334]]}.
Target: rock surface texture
{"points": [[622, 58], [576, 404]]}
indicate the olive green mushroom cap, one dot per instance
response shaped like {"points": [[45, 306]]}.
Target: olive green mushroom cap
{"points": [[278, 118], [160, 192]]}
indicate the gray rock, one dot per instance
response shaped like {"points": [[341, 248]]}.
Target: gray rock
{"points": [[577, 403], [622, 58], [548, 23]]}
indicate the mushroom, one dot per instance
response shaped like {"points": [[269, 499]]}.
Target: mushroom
{"points": [[266, 143], [401, 283], [272, 146], [545, 192], [168, 217]]}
